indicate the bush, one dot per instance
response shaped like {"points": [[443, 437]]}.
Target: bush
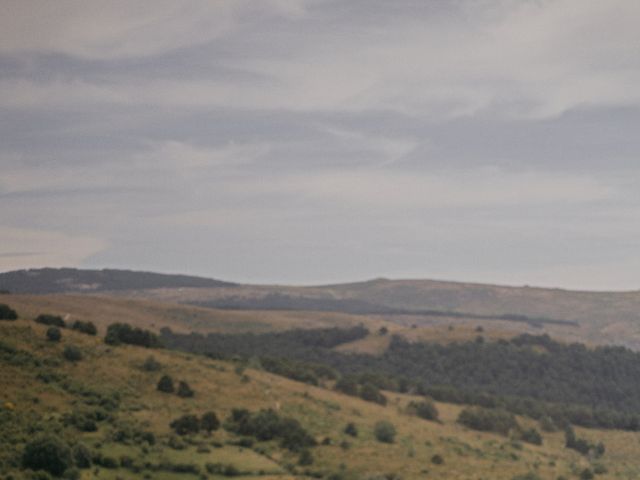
{"points": [[84, 327], [81, 456], [151, 364], [437, 459], [531, 436], [71, 474], [184, 390], [487, 420], [186, 424], [305, 458], [118, 333], [165, 384], [54, 334], [7, 313], [72, 353], [49, 453], [384, 431], [351, 429], [425, 409], [371, 393], [209, 422], [53, 320], [586, 474], [227, 470]]}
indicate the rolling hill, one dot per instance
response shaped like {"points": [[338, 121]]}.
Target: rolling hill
{"points": [[591, 317], [106, 403]]}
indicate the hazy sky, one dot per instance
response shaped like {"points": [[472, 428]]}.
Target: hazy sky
{"points": [[309, 141]]}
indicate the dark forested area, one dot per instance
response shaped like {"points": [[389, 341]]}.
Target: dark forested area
{"points": [[531, 375]]}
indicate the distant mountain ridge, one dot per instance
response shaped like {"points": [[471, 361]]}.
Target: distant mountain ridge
{"points": [[72, 280]]}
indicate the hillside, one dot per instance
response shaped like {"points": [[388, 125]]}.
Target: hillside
{"points": [[590, 317], [41, 391], [70, 280]]}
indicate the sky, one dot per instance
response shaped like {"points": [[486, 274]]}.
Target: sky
{"points": [[317, 141]]}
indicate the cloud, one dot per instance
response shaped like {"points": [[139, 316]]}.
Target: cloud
{"points": [[516, 59], [121, 29], [30, 248]]}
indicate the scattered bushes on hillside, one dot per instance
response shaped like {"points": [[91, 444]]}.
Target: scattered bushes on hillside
{"points": [[54, 334], [72, 353], [7, 313], [118, 333], [49, 453], [84, 327], [268, 425], [488, 420], [384, 431], [425, 409], [165, 384], [53, 320]]}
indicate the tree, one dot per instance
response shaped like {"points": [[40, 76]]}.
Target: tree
{"points": [[72, 353], [49, 453], [425, 409], [384, 431], [84, 327], [209, 422], [165, 384], [348, 385], [371, 393], [7, 313], [53, 334], [184, 390], [118, 333], [186, 424], [48, 319]]}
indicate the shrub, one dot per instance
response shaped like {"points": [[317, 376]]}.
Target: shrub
{"points": [[531, 436], [425, 409], [84, 327], [118, 333], [71, 474], [72, 353], [7, 313], [227, 470], [184, 390], [53, 320], [49, 453], [437, 459], [348, 385], [54, 334], [305, 458], [586, 474], [487, 420], [151, 364], [209, 422], [371, 393], [186, 424], [547, 424], [165, 384], [384, 431], [81, 456], [351, 429]]}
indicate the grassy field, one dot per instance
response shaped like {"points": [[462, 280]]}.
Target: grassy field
{"points": [[221, 386], [154, 315]]}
